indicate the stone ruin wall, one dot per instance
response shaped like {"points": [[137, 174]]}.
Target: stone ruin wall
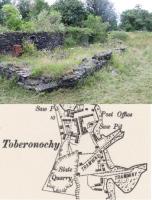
{"points": [[25, 79], [42, 40]]}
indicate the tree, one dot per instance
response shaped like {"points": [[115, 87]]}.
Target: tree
{"points": [[2, 3], [105, 9], [149, 22], [12, 17], [38, 6], [24, 7], [49, 22], [73, 11], [136, 19]]}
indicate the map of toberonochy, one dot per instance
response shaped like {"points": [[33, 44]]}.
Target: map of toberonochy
{"points": [[83, 152]]}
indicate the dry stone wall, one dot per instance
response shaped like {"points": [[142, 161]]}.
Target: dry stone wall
{"points": [[42, 40], [41, 84]]}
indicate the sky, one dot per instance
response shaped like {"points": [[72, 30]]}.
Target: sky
{"points": [[121, 5]]}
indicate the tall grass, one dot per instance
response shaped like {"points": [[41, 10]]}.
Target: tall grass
{"points": [[132, 82], [53, 63]]}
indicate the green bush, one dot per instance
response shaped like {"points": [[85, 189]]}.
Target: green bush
{"points": [[12, 17], [94, 30], [69, 41], [49, 22], [28, 26], [119, 35], [77, 36], [73, 12], [98, 28], [29, 48]]}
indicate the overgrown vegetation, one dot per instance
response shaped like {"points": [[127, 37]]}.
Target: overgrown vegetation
{"points": [[126, 80], [94, 30], [119, 35], [98, 28], [38, 15], [29, 48], [77, 36], [88, 28], [73, 11], [54, 63], [80, 24], [104, 9], [11, 17]]}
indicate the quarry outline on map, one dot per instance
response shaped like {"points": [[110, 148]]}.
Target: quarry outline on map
{"points": [[76, 122]]}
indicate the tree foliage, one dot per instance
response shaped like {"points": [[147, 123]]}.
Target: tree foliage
{"points": [[70, 16], [105, 9], [12, 17], [24, 7], [136, 19], [73, 11], [49, 21], [77, 36], [98, 28], [38, 6], [2, 3]]}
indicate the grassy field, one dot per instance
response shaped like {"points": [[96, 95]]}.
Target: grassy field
{"points": [[127, 79]]}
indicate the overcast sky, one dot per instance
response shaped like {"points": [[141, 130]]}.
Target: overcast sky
{"points": [[121, 5]]}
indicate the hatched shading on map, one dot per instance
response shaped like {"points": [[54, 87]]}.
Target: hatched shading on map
{"points": [[84, 152]]}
